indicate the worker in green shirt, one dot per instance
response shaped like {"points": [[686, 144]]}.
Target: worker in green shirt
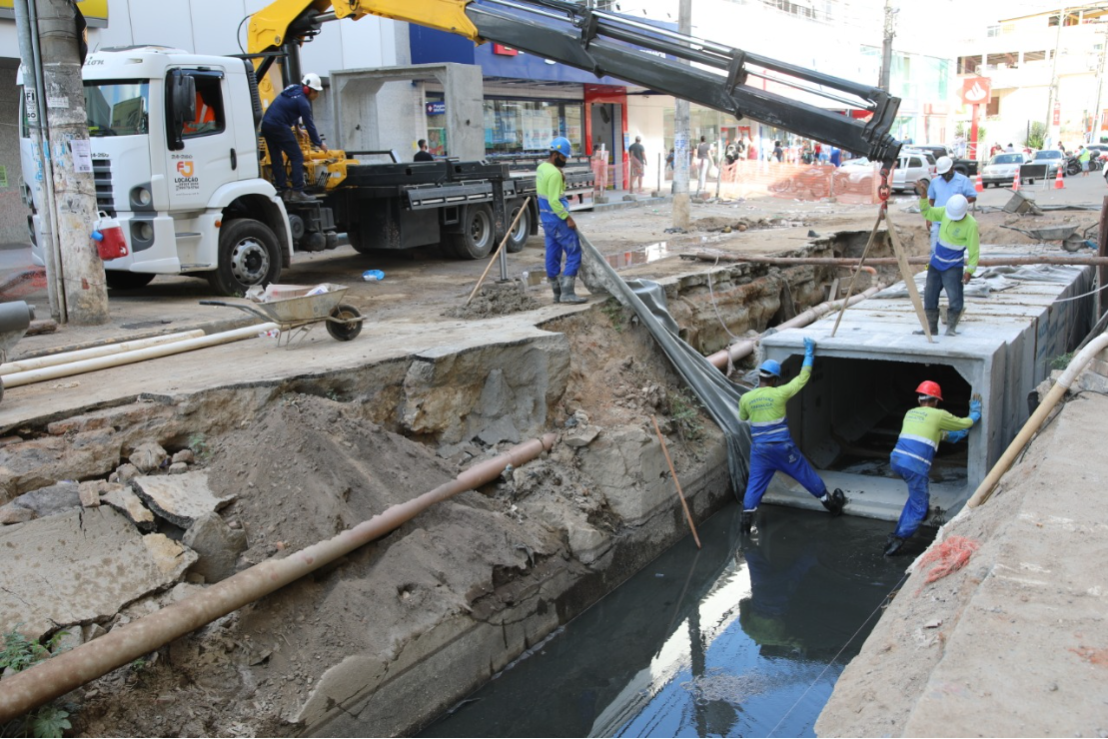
{"points": [[557, 224], [1083, 156], [953, 261]]}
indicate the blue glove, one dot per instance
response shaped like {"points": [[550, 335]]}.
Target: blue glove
{"points": [[809, 352], [953, 437], [975, 410]]}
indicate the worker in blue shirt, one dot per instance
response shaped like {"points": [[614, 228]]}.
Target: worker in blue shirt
{"points": [[947, 183], [773, 448], [923, 428], [294, 104]]}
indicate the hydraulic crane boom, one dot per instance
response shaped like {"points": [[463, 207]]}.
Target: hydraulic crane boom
{"points": [[605, 43]]}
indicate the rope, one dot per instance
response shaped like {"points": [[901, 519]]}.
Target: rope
{"points": [[837, 655], [1094, 291]]}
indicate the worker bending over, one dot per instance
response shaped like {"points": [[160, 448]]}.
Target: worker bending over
{"points": [[773, 448], [557, 224], [948, 269], [919, 439]]}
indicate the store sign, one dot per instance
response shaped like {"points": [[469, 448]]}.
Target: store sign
{"points": [[977, 90], [436, 108], [1057, 119], [503, 50]]}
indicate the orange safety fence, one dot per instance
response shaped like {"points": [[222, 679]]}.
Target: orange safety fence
{"points": [[800, 181]]}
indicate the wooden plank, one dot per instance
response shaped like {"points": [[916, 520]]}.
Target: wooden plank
{"points": [[906, 273]]}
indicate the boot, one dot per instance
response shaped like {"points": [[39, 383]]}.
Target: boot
{"points": [[556, 288], [932, 322], [568, 295], [952, 322], [893, 545], [298, 196], [747, 521], [834, 502]]}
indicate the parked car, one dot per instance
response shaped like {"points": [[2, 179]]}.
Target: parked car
{"points": [[1001, 169], [1044, 164], [968, 167], [911, 167], [1100, 151]]}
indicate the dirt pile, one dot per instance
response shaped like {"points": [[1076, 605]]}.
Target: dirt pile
{"points": [[495, 300]]}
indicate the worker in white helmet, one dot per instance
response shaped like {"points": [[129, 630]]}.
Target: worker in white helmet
{"points": [[947, 184], [292, 105], [954, 260]]}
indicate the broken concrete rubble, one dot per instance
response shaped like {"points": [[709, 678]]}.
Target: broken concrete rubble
{"points": [[50, 500], [148, 457], [95, 562], [124, 500], [217, 544], [580, 436], [180, 499], [630, 472]]}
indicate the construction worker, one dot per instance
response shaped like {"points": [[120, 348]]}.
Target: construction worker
{"points": [[557, 224], [204, 121], [773, 448], [919, 438], [949, 269], [292, 105], [942, 188]]}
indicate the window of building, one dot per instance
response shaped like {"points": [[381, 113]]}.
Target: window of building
{"points": [[1034, 56], [968, 64], [992, 31], [993, 107], [515, 126], [1008, 60], [435, 114]]}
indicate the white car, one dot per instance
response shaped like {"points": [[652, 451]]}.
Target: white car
{"points": [[911, 167], [1001, 169]]}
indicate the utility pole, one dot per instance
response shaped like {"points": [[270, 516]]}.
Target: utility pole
{"points": [[681, 133], [1094, 132], [84, 295], [1053, 89], [887, 46]]}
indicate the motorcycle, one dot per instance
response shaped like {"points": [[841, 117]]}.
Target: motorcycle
{"points": [[1073, 165]]}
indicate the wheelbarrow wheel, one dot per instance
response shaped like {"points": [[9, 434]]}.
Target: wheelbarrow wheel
{"points": [[343, 326]]}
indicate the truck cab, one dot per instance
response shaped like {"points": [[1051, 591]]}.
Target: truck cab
{"points": [[175, 160]]}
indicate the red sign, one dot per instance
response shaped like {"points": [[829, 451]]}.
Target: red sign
{"points": [[503, 50], [977, 90], [1057, 113]]}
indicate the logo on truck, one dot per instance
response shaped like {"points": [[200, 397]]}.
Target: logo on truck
{"points": [[186, 181]]}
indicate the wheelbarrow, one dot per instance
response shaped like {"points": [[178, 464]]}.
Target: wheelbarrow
{"points": [[298, 314], [1071, 241], [15, 319]]}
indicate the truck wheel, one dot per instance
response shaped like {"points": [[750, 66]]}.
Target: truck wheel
{"points": [[248, 256], [119, 280], [477, 236], [521, 232]]}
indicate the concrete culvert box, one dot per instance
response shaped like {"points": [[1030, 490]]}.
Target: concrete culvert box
{"points": [[1017, 321]]}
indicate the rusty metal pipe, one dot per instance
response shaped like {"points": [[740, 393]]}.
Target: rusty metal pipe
{"points": [[890, 261], [64, 672]]}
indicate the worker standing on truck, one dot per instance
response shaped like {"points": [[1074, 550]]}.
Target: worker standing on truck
{"points": [[949, 269], [948, 183], [557, 224], [773, 448], [292, 105], [911, 458]]}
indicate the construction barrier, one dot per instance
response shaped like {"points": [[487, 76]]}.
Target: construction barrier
{"points": [[800, 181]]}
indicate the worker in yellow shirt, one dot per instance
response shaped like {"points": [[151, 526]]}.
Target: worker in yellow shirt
{"points": [[557, 224]]}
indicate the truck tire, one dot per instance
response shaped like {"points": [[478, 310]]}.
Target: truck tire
{"points": [[522, 231], [248, 256], [119, 280], [477, 236]]}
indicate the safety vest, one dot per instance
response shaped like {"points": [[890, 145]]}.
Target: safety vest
{"points": [[764, 407]]}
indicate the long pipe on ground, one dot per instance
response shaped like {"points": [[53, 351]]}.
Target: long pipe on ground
{"points": [[26, 365], [890, 261], [740, 349], [138, 355], [985, 489], [64, 672]]}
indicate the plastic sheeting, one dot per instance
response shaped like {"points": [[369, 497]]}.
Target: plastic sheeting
{"points": [[995, 279], [718, 395]]}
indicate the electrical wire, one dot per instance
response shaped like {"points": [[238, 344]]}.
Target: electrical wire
{"points": [[1094, 291]]}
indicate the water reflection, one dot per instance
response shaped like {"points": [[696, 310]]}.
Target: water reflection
{"points": [[734, 640]]}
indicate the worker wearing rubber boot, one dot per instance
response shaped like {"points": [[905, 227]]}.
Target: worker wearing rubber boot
{"points": [[911, 458], [557, 224], [773, 448], [954, 260]]}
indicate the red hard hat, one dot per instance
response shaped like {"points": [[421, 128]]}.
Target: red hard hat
{"points": [[930, 388]]}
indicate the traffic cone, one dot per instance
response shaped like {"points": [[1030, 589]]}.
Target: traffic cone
{"points": [[1058, 184], [1016, 182], [978, 185]]}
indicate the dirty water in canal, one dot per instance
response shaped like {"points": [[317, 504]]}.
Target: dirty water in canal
{"points": [[743, 638]]}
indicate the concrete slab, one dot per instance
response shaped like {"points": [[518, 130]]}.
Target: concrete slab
{"points": [[123, 499], [179, 499], [80, 566]]}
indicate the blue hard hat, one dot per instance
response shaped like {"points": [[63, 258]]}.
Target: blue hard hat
{"points": [[562, 146], [770, 368]]}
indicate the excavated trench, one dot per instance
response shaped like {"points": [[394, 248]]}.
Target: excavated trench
{"points": [[393, 634]]}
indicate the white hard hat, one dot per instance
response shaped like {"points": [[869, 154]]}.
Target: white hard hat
{"points": [[943, 165], [311, 79], [956, 207]]}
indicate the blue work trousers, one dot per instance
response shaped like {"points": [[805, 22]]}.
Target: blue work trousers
{"points": [[770, 457], [560, 239], [937, 281], [279, 140], [919, 499]]}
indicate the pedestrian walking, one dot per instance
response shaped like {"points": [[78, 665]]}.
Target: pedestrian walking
{"points": [[558, 225], [424, 154], [292, 105], [954, 260], [638, 164], [703, 150], [920, 434], [948, 183], [773, 448]]}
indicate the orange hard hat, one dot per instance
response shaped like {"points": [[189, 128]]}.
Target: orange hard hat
{"points": [[927, 387]]}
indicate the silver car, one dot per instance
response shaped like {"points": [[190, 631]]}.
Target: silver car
{"points": [[1001, 169], [910, 167]]}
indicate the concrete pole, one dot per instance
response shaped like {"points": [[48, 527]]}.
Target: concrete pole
{"points": [[86, 293], [1052, 90], [887, 46], [1094, 133], [681, 134]]}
